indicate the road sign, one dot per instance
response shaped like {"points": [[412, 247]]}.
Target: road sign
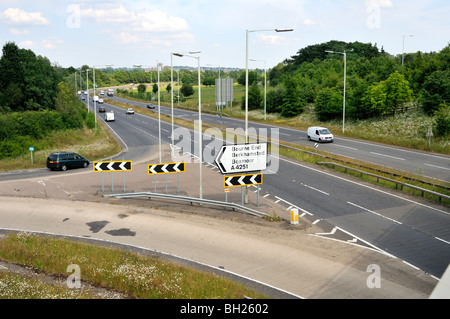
{"points": [[242, 180], [166, 168], [242, 158], [112, 166]]}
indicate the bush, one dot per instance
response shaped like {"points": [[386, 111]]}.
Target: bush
{"points": [[443, 121]]}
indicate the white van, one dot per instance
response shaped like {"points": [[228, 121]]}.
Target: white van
{"points": [[109, 116], [320, 134], [95, 98]]}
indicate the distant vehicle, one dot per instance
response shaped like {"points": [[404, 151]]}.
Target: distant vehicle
{"points": [[83, 97], [102, 92], [150, 106], [110, 92], [130, 111], [320, 134], [64, 160], [101, 109], [95, 98], [85, 92], [79, 92], [109, 116], [100, 101]]}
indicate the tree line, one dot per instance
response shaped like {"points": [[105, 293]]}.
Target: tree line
{"points": [[35, 100], [377, 83]]}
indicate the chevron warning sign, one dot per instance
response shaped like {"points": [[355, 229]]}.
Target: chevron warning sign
{"points": [[242, 180], [112, 166], [166, 168]]}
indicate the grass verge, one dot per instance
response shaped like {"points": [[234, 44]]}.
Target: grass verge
{"points": [[92, 144], [134, 275]]}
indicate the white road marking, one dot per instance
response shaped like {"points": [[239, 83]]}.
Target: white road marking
{"points": [[448, 169], [371, 211], [352, 148], [394, 157]]}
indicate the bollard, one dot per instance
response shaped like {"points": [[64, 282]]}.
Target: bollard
{"points": [[294, 216]]}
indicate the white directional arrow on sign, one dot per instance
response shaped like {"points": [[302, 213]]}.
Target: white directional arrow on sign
{"points": [[112, 166], [242, 180], [166, 168]]}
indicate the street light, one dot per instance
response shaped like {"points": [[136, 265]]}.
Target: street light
{"points": [[199, 113], [403, 50], [159, 106], [87, 88], [345, 81], [218, 107], [95, 102], [246, 73], [265, 82]]}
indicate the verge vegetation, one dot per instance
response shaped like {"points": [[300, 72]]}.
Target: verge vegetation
{"points": [[130, 274]]}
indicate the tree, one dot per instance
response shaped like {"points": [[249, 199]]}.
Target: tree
{"points": [[397, 91], [443, 120], [155, 88], [208, 81], [254, 98], [169, 88], [274, 100], [27, 81], [328, 104], [252, 77], [436, 91], [374, 100], [141, 88], [293, 103], [187, 90]]}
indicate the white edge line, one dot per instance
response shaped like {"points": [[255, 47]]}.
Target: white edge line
{"points": [[375, 213]]}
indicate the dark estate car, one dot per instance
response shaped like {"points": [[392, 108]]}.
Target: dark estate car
{"points": [[150, 106], [65, 160], [101, 109]]}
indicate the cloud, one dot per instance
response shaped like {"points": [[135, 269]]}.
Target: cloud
{"points": [[272, 39], [309, 22], [139, 21], [380, 3], [16, 16], [49, 43], [18, 32], [126, 38]]}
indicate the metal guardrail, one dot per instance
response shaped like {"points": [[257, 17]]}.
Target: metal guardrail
{"points": [[234, 206], [423, 190]]}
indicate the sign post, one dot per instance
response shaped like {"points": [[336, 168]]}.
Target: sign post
{"points": [[31, 150], [242, 158], [166, 168], [113, 166]]}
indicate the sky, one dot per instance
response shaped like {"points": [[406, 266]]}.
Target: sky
{"points": [[130, 32]]}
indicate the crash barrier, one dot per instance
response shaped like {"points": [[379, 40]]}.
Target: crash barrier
{"points": [[397, 183], [191, 200]]}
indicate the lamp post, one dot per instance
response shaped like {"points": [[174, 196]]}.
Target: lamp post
{"points": [[220, 88], [95, 102], [159, 106], [345, 81], [87, 88], [246, 73], [265, 82], [403, 49], [199, 113]]}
